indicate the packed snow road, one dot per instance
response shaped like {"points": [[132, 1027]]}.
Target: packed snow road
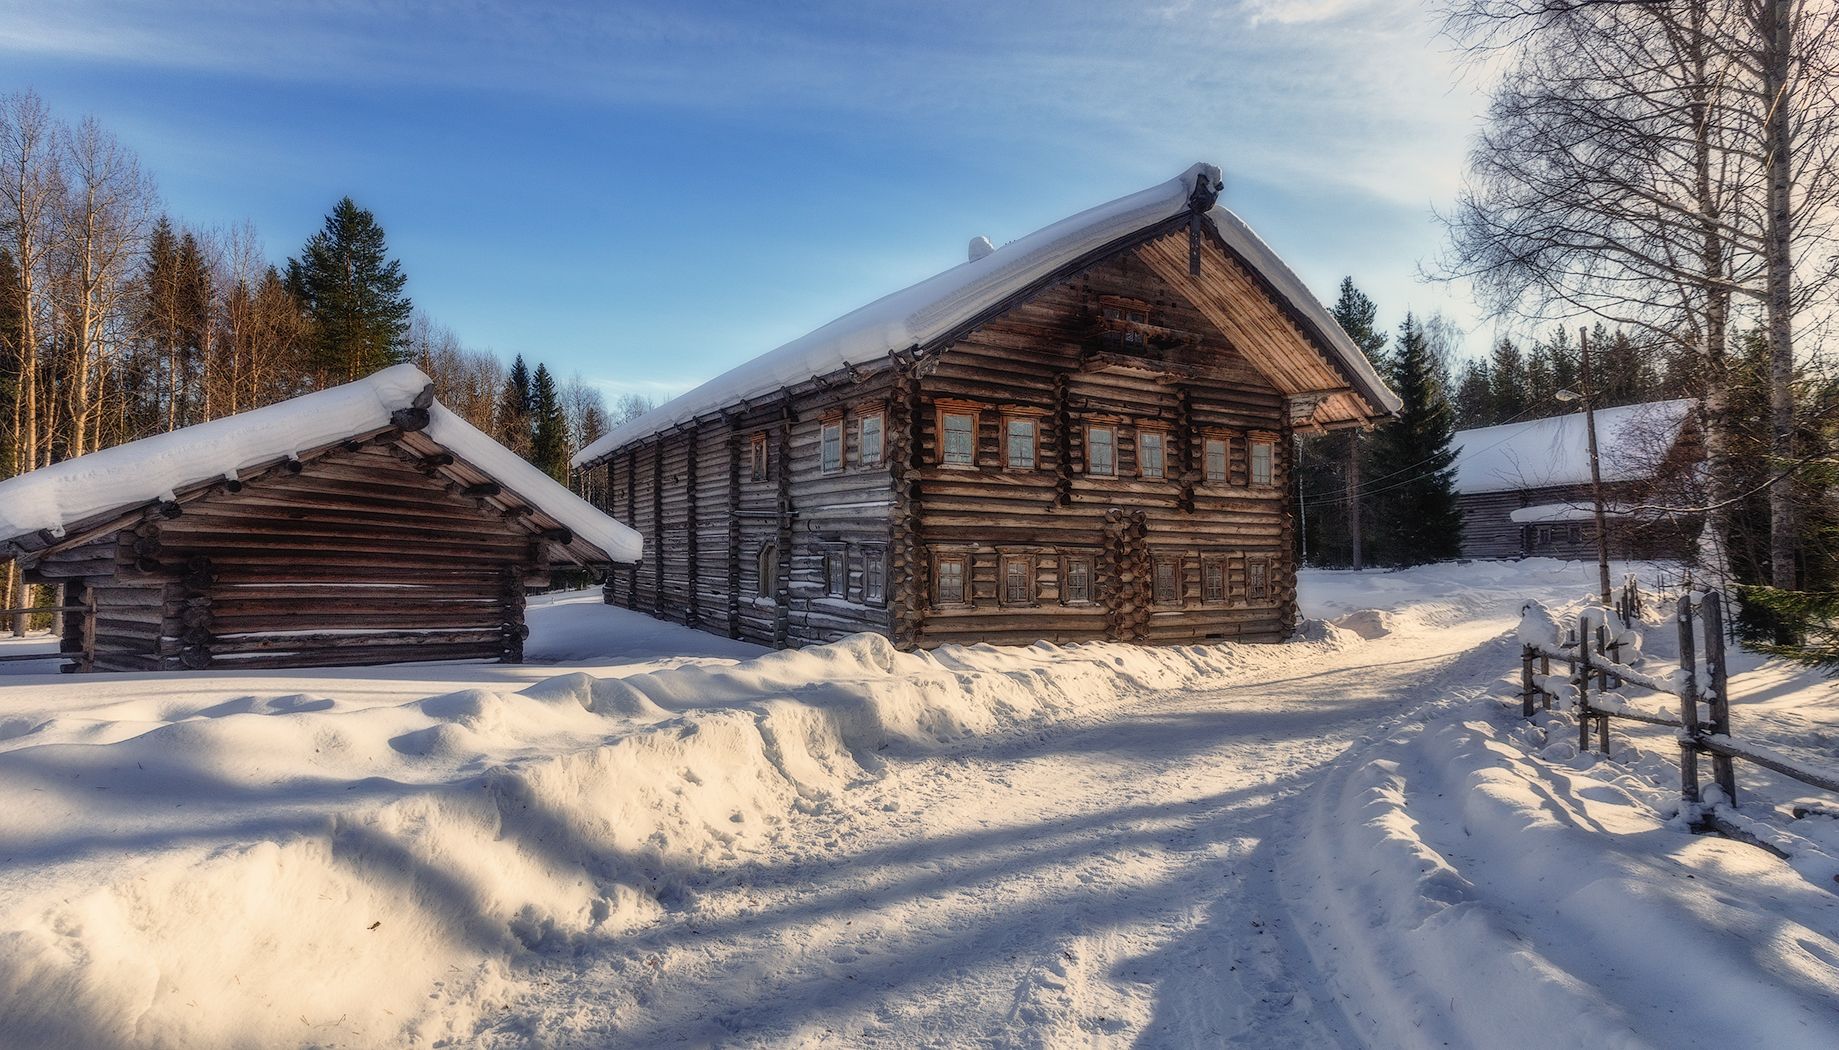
{"points": [[1111, 877]]}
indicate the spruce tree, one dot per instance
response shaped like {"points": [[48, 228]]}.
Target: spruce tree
{"points": [[1321, 476], [1413, 461], [1507, 374], [513, 421], [352, 291], [549, 427]]}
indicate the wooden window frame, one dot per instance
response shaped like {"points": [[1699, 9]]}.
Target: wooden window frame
{"points": [[875, 556], [1109, 428], [1162, 434], [836, 556], [762, 577], [759, 463], [1252, 595], [1031, 569], [1216, 563], [1173, 562], [963, 560], [1252, 443], [881, 438], [1034, 451], [946, 409], [1067, 561], [1207, 439], [828, 424]]}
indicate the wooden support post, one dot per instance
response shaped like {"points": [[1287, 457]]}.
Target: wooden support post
{"points": [[657, 527], [734, 528], [1688, 705], [1722, 769], [632, 510], [782, 598], [1580, 681], [1063, 442], [1545, 668]]}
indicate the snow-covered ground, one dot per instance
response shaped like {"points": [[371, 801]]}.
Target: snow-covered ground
{"points": [[651, 836]]}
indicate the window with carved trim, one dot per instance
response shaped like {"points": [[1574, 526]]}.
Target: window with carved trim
{"points": [[1166, 572], [868, 439], [1258, 580], [836, 572], [951, 579], [1101, 451], [1152, 453], [1076, 581], [1217, 463], [1213, 580], [1020, 442], [1262, 455], [1018, 584], [958, 438], [830, 445], [874, 575]]}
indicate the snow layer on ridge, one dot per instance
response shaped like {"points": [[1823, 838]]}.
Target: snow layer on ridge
{"points": [[924, 311], [154, 467], [1555, 451]]}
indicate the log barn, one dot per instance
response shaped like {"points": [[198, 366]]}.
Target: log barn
{"points": [[1083, 434], [361, 524], [1524, 488]]}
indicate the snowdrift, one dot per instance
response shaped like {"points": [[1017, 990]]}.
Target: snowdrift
{"points": [[1472, 880], [304, 870]]}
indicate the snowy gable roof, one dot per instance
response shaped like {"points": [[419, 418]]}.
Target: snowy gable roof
{"points": [[928, 310], [155, 468], [1631, 442]]}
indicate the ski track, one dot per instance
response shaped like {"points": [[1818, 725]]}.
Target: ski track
{"points": [[1110, 878]]}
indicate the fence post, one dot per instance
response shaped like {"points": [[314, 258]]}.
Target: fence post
{"points": [[1688, 706], [1580, 681], [1526, 681], [1722, 768]]}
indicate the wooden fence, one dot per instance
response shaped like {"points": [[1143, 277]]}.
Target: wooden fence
{"points": [[1597, 680]]}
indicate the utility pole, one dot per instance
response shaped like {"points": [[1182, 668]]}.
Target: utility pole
{"points": [[1596, 470]]}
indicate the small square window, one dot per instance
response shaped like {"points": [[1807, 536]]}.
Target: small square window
{"points": [[874, 575], [1167, 580], [1018, 579], [836, 572], [1076, 587], [868, 440], [1216, 460], [1213, 580], [1258, 580], [1261, 462], [958, 438], [831, 446], [949, 573], [1101, 451], [1152, 453], [756, 457], [1575, 533], [1019, 443]]}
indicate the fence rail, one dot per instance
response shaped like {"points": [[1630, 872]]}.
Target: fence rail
{"points": [[1590, 651]]}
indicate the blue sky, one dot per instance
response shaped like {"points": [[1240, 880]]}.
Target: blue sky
{"points": [[650, 193]]}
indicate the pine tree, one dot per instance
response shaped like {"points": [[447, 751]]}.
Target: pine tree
{"points": [[1507, 375], [352, 291], [1474, 396], [549, 427], [1413, 462], [514, 404]]}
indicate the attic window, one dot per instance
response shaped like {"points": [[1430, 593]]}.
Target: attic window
{"points": [[1128, 318], [831, 445], [756, 456]]}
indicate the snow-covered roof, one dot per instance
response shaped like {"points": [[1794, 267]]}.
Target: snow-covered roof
{"points": [[1631, 442], [916, 315], [154, 468], [1552, 513]]}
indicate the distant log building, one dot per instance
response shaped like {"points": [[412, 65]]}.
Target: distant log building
{"points": [[363, 524], [1524, 488], [1084, 434]]}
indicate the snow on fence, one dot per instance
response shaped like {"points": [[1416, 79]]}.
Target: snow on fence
{"points": [[1593, 688]]}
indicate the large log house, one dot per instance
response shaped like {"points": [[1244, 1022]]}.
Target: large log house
{"points": [[1084, 434], [362, 524]]}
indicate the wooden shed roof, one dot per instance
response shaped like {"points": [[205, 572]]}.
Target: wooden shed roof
{"points": [[54, 505], [1286, 329]]}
